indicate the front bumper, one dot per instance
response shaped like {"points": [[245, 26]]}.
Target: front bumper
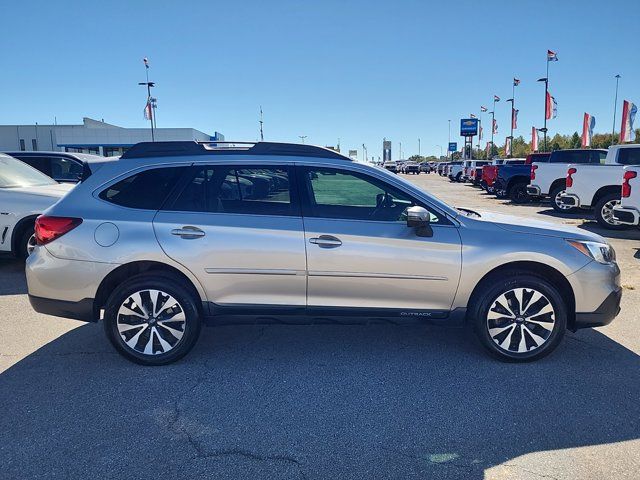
{"points": [[534, 190], [570, 199], [626, 215], [604, 314]]}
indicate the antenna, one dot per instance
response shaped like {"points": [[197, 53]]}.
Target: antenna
{"points": [[261, 122]]}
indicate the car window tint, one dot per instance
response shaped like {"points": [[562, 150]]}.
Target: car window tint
{"points": [[145, 190], [65, 169], [224, 189], [335, 193], [629, 156]]}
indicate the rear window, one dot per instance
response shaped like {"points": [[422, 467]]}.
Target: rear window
{"points": [[629, 156], [145, 190], [578, 156]]}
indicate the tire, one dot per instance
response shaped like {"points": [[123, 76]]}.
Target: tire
{"points": [[25, 243], [504, 336], [554, 198], [458, 177], [518, 193], [603, 211], [168, 340]]}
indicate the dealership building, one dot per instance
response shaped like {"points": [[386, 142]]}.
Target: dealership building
{"points": [[92, 136]]}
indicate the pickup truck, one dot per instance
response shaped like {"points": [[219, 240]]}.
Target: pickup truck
{"points": [[548, 178], [475, 171], [597, 187], [490, 172], [628, 212], [455, 171], [512, 178], [391, 166]]}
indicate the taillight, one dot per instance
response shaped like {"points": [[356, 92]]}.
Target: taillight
{"points": [[533, 171], [570, 172], [466, 170], [626, 186], [49, 228]]}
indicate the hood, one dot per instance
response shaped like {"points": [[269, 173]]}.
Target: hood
{"points": [[533, 226], [56, 190]]}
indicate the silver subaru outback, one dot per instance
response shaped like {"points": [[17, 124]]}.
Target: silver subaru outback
{"points": [[178, 234]]}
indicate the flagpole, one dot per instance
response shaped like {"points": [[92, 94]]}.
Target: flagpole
{"points": [[149, 106], [615, 104]]}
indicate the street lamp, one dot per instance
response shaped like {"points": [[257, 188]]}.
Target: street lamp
{"points": [[546, 93], [302, 137]]}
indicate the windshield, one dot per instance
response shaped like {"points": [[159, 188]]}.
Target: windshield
{"points": [[14, 173]]}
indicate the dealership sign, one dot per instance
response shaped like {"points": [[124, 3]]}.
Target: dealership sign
{"points": [[468, 127], [453, 146]]}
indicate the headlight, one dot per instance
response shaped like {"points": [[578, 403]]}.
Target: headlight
{"points": [[600, 252]]}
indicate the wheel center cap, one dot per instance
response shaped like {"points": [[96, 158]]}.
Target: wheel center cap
{"points": [[152, 321], [519, 319]]}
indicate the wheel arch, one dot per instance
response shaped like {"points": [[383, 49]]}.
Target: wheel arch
{"points": [[558, 182], [539, 269], [128, 270], [19, 229], [517, 179], [606, 190]]}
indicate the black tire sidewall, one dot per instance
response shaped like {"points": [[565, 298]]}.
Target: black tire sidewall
{"points": [[497, 286], [166, 284], [21, 249], [513, 193]]}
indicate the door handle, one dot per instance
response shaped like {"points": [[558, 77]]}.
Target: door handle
{"points": [[188, 232], [326, 241]]}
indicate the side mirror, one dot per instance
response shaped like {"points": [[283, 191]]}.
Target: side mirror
{"points": [[419, 218]]}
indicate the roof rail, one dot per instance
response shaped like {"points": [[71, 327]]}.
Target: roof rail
{"points": [[184, 148]]}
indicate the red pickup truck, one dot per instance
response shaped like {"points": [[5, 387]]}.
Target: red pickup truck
{"points": [[489, 174]]}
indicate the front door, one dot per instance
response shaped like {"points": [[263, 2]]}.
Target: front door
{"points": [[238, 229], [360, 252]]}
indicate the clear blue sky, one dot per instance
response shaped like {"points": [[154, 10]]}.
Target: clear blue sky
{"points": [[354, 70]]}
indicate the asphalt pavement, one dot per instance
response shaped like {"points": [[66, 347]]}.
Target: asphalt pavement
{"points": [[320, 402]]}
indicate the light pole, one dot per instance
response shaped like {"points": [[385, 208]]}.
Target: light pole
{"points": [[364, 152], [449, 141], [615, 104], [419, 147], [302, 137], [148, 109], [546, 93]]}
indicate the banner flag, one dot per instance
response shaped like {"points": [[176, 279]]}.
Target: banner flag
{"points": [[588, 125], [627, 133], [534, 139]]}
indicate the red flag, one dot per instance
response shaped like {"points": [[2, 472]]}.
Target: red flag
{"points": [[627, 134], [534, 139], [148, 110], [548, 107], [495, 126]]}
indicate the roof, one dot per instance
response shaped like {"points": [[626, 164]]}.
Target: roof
{"points": [[189, 148]]}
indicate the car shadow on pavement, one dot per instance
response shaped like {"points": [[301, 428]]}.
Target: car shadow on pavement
{"points": [[627, 234], [12, 279], [310, 402]]}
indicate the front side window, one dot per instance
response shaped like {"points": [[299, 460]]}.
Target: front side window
{"points": [[145, 190], [244, 190], [65, 169], [335, 193]]}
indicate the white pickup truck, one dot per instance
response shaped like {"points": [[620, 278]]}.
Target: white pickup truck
{"points": [[628, 212], [597, 187], [548, 178]]}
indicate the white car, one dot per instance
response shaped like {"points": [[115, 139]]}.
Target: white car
{"points": [[597, 187], [628, 212], [455, 171], [548, 178], [24, 194]]}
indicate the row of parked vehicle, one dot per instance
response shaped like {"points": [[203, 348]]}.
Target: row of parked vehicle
{"points": [[597, 180], [408, 167]]}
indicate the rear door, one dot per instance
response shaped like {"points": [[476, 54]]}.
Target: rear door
{"points": [[360, 252], [238, 229]]}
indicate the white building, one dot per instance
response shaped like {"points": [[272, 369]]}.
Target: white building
{"points": [[92, 136]]}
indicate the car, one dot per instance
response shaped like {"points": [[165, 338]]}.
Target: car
{"points": [[548, 179], [597, 187], [63, 167], [425, 167], [164, 240], [442, 168], [628, 212], [455, 171], [24, 194], [512, 178], [411, 168], [391, 166]]}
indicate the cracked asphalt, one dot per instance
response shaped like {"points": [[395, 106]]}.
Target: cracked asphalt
{"points": [[348, 402]]}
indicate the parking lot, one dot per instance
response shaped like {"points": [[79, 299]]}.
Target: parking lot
{"points": [[324, 401]]}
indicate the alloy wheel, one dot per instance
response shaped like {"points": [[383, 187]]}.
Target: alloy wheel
{"points": [[31, 244], [561, 206], [151, 322], [520, 320], [607, 212]]}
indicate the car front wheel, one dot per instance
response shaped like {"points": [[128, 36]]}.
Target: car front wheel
{"points": [[152, 320], [519, 317]]}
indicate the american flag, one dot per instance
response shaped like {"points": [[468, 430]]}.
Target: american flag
{"points": [[471, 115], [552, 56], [516, 81], [483, 109], [496, 98]]}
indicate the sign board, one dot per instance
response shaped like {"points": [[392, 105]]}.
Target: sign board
{"points": [[468, 127], [453, 146], [386, 150], [353, 154]]}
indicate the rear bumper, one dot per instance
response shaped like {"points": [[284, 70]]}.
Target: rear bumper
{"points": [[570, 199], [626, 215], [604, 314], [82, 310], [534, 190]]}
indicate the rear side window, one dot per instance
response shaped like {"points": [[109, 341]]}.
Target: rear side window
{"points": [[247, 190], [629, 156], [65, 169], [145, 190], [577, 156]]}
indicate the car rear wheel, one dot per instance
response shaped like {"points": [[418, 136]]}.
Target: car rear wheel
{"points": [[27, 243], [152, 320], [519, 317], [558, 206], [518, 193], [603, 211]]}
